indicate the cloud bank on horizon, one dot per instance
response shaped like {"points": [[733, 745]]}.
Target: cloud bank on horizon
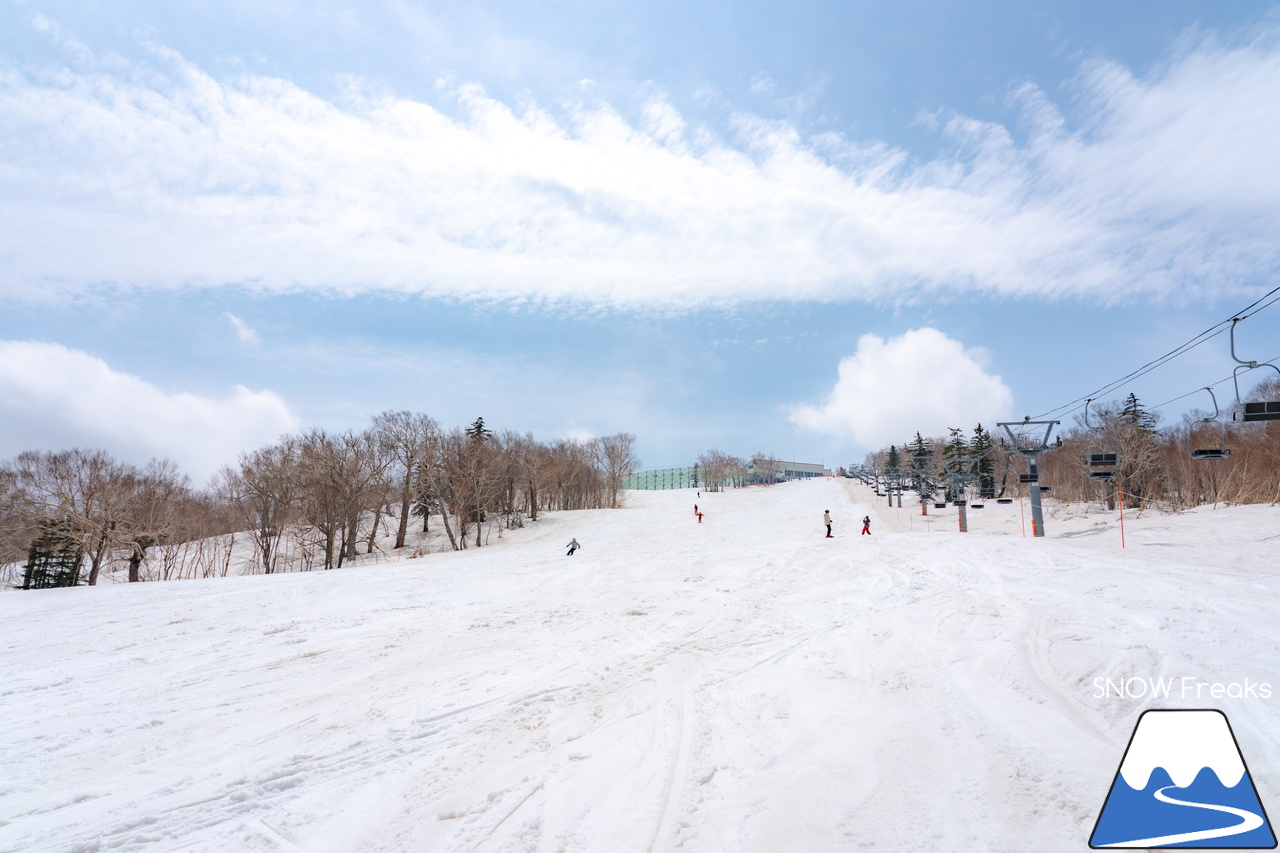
{"points": [[919, 381], [117, 173], [70, 398]]}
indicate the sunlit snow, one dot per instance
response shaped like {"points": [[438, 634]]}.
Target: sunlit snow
{"points": [[743, 684]]}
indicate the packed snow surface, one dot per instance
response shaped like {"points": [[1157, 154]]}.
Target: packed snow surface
{"points": [[743, 684]]}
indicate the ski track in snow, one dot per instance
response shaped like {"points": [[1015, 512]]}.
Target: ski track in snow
{"points": [[739, 685]]}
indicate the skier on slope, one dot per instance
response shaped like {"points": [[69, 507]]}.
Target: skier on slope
{"points": [[826, 519], [573, 546], [866, 525]]}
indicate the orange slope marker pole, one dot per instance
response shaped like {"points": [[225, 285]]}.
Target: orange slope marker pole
{"points": [[1120, 491]]}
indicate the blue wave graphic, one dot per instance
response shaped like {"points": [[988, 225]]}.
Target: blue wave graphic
{"points": [[1129, 815]]}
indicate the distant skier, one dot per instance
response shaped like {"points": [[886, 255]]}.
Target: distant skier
{"points": [[866, 525], [826, 519], [699, 518], [695, 509], [573, 546]]}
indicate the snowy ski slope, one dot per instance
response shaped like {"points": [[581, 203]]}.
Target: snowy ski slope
{"points": [[737, 685]]}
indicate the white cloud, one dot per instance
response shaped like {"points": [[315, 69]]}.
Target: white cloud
{"points": [[53, 398], [580, 435], [243, 330], [163, 176], [920, 381]]}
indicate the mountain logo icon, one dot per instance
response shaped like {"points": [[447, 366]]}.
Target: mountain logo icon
{"points": [[1183, 783]]}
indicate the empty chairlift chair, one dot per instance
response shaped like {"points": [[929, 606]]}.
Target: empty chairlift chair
{"points": [[1102, 463], [1221, 451], [1105, 462], [1263, 410]]}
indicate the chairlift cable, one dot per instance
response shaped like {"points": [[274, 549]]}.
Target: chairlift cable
{"points": [[1203, 337], [1210, 385], [1076, 404]]}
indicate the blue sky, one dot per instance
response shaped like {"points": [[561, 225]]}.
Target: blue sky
{"points": [[808, 229]]}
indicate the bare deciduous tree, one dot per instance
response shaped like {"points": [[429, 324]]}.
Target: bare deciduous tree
{"points": [[408, 439], [616, 454]]}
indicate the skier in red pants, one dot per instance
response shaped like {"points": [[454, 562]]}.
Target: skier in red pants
{"points": [[866, 525]]}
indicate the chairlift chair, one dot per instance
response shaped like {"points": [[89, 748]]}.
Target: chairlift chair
{"points": [[1264, 410], [1105, 460], [1220, 452]]}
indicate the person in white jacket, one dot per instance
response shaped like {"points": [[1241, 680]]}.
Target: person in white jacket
{"points": [[826, 519], [573, 546]]}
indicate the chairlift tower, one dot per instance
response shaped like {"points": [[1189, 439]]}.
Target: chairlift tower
{"points": [[1031, 440], [959, 482], [896, 478], [919, 466]]}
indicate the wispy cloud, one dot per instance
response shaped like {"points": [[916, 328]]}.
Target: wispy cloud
{"points": [[243, 331], [164, 176], [53, 398], [922, 380]]}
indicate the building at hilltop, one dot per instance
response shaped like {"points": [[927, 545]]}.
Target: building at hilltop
{"points": [[693, 477], [787, 471]]}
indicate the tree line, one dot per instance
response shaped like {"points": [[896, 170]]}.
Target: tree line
{"points": [[1153, 464], [315, 500], [720, 470]]}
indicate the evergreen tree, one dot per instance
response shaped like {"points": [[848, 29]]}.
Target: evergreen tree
{"points": [[894, 460], [981, 447], [921, 452], [957, 449], [955, 455], [478, 430], [54, 558], [921, 462], [1135, 414]]}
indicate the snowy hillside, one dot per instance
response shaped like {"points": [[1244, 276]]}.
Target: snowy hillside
{"points": [[742, 684]]}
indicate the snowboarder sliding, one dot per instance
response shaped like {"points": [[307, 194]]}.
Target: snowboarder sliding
{"points": [[573, 546], [866, 525], [826, 519]]}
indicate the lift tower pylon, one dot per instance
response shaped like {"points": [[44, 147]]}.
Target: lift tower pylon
{"points": [[1031, 438]]}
